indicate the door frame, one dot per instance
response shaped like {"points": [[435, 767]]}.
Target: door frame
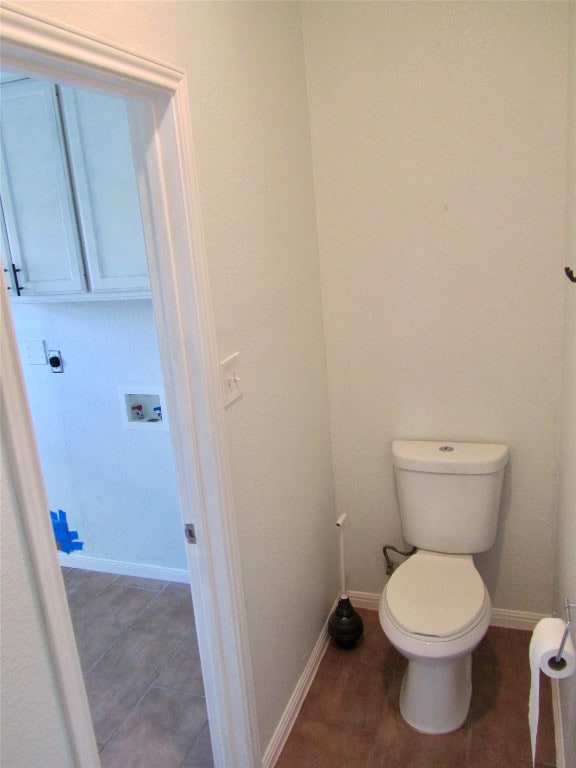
{"points": [[179, 279]]}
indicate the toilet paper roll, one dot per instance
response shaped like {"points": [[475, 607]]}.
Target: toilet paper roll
{"points": [[544, 645]]}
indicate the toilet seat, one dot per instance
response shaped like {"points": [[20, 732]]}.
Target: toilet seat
{"points": [[434, 595]]}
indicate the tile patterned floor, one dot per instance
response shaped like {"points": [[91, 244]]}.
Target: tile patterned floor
{"points": [[138, 649], [350, 717], [137, 644]]}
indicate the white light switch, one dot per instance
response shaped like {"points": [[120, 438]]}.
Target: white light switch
{"points": [[231, 380], [35, 352]]}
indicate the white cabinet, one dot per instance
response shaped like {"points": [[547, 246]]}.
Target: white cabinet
{"points": [[69, 194], [104, 178], [37, 201]]}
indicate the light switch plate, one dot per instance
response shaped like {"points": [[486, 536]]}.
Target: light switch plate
{"points": [[35, 352], [231, 379]]}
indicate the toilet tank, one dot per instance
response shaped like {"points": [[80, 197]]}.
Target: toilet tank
{"points": [[449, 493]]}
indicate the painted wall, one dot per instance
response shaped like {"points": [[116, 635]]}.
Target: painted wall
{"points": [[33, 728], [245, 68], [116, 485], [438, 138], [255, 174], [439, 145], [566, 547]]}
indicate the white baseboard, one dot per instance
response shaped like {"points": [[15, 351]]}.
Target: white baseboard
{"points": [[509, 619], [124, 569], [368, 600], [501, 617], [290, 714]]}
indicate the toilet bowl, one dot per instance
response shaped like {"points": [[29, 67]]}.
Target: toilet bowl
{"points": [[435, 610]]}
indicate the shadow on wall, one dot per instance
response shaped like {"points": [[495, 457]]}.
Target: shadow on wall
{"points": [[489, 562]]}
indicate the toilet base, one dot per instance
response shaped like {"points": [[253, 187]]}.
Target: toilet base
{"points": [[435, 697]]}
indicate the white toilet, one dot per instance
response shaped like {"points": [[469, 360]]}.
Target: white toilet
{"points": [[435, 608]]}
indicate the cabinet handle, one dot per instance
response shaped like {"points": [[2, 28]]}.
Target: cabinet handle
{"points": [[14, 269]]}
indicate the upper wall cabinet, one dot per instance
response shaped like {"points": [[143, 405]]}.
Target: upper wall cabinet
{"points": [[37, 203], [69, 194], [104, 179]]}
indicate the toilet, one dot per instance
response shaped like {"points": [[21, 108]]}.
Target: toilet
{"points": [[435, 608]]}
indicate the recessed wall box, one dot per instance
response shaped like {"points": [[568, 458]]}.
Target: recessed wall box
{"points": [[142, 407]]}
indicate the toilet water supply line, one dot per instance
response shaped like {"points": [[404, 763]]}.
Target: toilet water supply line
{"points": [[391, 565], [339, 524]]}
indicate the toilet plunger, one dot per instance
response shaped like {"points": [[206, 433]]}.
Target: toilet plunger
{"points": [[345, 625]]}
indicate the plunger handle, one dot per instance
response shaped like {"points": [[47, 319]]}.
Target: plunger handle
{"points": [[340, 523]]}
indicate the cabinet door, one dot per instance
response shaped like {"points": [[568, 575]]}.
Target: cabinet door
{"points": [[38, 207], [104, 177], [5, 250]]}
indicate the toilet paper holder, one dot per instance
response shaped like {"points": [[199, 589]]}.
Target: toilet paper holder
{"points": [[558, 662]]}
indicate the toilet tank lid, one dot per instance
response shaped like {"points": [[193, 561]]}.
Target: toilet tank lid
{"points": [[448, 457]]}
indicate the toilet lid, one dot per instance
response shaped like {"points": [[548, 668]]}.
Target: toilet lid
{"points": [[436, 595]]}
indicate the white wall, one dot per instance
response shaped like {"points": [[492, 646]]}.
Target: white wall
{"points": [[246, 77], [33, 728], [566, 547], [438, 135], [439, 145], [255, 174], [116, 485]]}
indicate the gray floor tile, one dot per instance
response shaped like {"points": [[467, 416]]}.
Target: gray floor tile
{"points": [[127, 636], [156, 585], [159, 733], [105, 617], [82, 586], [200, 756], [170, 612], [182, 671], [120, 678]]}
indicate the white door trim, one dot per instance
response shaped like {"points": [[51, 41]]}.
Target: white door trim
{"points": [[26, 482], [178, 274]]}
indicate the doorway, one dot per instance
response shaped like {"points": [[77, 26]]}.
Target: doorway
{"points": [[109, 476], [188, 354]]}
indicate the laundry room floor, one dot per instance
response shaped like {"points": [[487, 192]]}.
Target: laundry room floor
{"points": [[350, 717], [137, 644]]}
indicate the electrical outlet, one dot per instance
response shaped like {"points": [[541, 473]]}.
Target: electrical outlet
{"points": [[55, 360]]}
